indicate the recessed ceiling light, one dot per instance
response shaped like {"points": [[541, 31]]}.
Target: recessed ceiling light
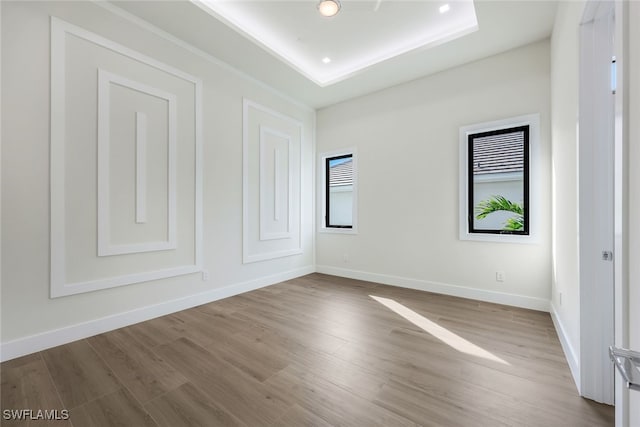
{"points": [[444, 8], [329, 8], [326, 59]]}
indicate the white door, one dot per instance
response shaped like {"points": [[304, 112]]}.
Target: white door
{"points": [[632, 321], [596, 180]]}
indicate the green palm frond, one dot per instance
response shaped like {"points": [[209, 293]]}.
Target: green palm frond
{"points": [[515, 223], [500, 203]]}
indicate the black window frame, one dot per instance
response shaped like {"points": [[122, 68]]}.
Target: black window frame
{"points": [[327, 218], [526, 179]]}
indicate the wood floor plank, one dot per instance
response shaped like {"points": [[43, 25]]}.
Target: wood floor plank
{"points": [[332, 403], [360, 381], [284, 347], [144, 374], [216, 318], [299, 417], [249, 400], [26, 384], [414, 359], [118, 408], [347, 319], [434, 410], [158, 331], [441, 385], [187, 406], [205, 330], [558, 402], [417, 344], [294, 329], [254, 357], [230, 305], [78, 373]]}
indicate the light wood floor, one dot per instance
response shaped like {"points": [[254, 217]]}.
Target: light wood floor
{"points": [[313, 351]]}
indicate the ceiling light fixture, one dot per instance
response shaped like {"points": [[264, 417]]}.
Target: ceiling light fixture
{"points": [[326, 59], [444, 8], [329, 8]]}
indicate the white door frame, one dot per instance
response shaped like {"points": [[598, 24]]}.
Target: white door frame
{"points": [[596, 200], [621, 177]]}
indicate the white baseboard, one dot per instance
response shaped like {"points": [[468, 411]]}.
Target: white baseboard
{"points": [[533, 303], [33, 343], [569, 352]]}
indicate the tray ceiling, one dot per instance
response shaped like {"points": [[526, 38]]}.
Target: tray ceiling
{"points": [[369, 49]]}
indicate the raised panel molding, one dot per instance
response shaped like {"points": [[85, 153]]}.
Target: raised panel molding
{"points": [[275, 156], [60, 285], [105, 248], [141, 168], [263, 192]]}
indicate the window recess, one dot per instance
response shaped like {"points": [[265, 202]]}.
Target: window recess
{"points": [[339, 192], [497, 193]]}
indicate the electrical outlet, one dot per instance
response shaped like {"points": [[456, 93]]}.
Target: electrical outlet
{"points": [[345, 258], [499, 276], [560, 298], [205, 275]]}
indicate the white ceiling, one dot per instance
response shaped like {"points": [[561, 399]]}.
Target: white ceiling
{"points": [[359, 36], [282, 43]]}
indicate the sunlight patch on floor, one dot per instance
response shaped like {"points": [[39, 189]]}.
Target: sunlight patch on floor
{"points": [[443, 334]]}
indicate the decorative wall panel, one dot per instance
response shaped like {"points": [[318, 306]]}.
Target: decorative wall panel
{"points": [[276, 181], [126, 172], [271, 184], [115, 112]]}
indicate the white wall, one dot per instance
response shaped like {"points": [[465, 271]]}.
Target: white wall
{"points": [[564, 126], [27, 309], [407, 142]]}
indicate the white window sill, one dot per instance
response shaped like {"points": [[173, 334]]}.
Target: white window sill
{"points": [[332, 230], [500, 238]]}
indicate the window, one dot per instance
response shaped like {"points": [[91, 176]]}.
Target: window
{"points": [[498, 175], [339, 192], [496, 191], [614, 77]]}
